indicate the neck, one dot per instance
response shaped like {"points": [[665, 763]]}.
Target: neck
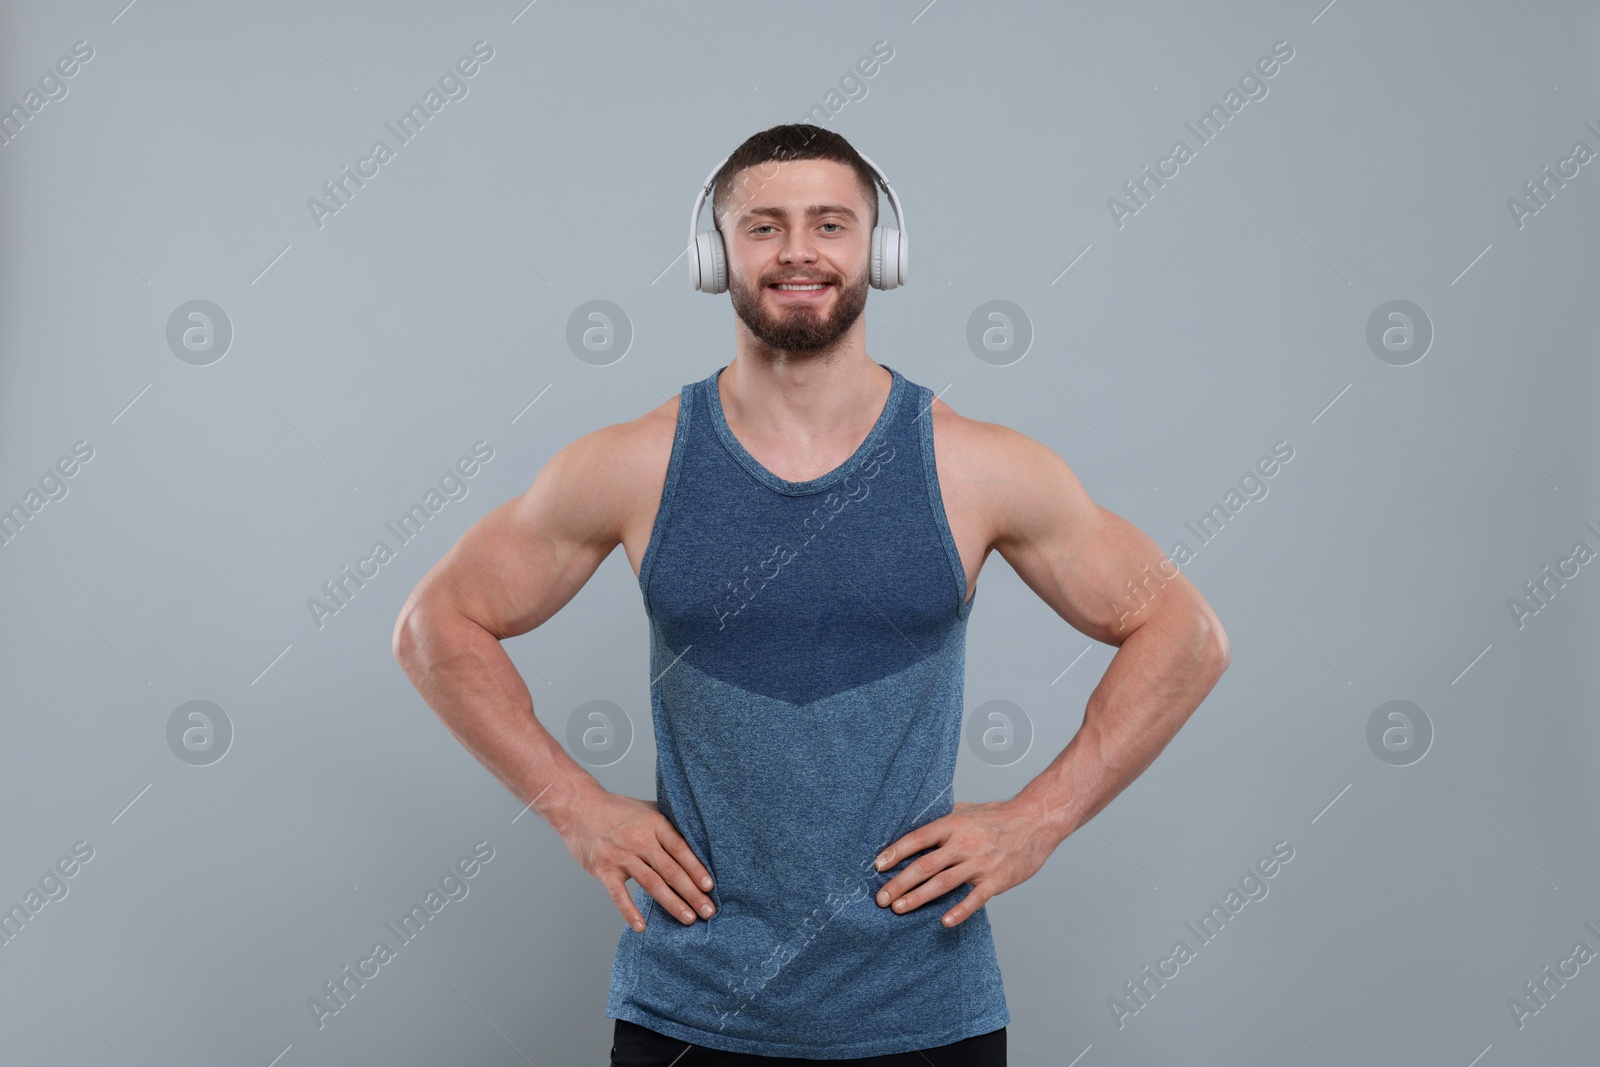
{"points": [[804, 409]]}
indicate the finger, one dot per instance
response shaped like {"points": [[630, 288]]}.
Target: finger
{"points": [[901, 883], [938, 885], [618, 891], [968, 906], [657, 887], [898, 850], [674, 843], [925, 836], [914, 874], [675, 875]]}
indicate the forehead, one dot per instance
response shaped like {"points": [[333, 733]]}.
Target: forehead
{"points": [[794, 186]]}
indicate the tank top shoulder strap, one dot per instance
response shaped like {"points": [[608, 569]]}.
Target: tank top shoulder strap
{"points": [[686, 420], [922, 420]]}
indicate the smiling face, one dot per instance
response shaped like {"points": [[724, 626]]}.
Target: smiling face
{"points": [[807, 224]]}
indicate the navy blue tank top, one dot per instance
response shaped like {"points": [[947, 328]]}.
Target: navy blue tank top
{"points": [[807, 660]]}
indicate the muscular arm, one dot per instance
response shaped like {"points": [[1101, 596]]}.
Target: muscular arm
{"points": [[1109, 580], [514, 569]]}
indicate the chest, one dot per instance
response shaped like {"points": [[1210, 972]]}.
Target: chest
{"points": [[957, 473], [799, 597]]}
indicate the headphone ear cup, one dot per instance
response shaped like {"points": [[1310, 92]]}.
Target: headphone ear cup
{"points": [[702, 263], [710, 267], [691, 259], [875, 261], [888, 258]]}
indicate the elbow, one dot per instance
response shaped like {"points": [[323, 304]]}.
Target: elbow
{"points": [[427, 630], [405, 644], [1214, 641], [1209, 642], [402, 643]]}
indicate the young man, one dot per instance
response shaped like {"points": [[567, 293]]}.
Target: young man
{"points": [[807, 526]]}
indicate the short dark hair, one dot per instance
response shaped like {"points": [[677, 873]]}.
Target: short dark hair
{"points": [[787, 143]]}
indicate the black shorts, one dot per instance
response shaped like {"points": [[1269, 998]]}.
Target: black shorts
{"points": [[638, 1046]]}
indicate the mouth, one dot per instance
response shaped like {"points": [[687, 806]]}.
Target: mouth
{"points": [[805, 295]]}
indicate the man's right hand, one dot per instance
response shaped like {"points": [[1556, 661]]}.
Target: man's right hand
{"points": [[616, 837]]}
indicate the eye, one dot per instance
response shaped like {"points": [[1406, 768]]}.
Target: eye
{"points": [[833, 224]]}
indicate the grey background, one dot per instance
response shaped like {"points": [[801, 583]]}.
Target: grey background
{"points": [[432, 310]]}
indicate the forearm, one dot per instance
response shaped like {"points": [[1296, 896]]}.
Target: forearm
{"points": [[1159, 676], [469, 681]]}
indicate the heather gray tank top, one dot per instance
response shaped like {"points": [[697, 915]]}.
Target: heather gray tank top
{"points": [[807, 661]]}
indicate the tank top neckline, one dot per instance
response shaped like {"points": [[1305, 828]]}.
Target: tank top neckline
{"points": [[879, 429]]}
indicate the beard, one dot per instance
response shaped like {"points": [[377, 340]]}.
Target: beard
{"points": [[799, 329]]}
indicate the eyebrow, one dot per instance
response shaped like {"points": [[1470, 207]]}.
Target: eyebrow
{"points": [[813, 211]]}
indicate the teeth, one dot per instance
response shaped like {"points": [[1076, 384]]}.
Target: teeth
{"points": [[799, 288]]}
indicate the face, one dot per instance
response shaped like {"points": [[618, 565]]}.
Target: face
{"points": [[773, 235]]}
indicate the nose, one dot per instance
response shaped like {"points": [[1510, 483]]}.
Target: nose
{"points": [[797, 248]]}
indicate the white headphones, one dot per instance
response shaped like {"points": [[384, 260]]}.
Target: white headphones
{"points": [[708, 257]]}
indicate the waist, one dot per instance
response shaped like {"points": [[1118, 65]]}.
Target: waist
{"points": [[788, 971]]}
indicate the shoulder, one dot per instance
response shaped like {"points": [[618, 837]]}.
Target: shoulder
{"points": [[1017, 485], [987, 452], [599, 482], [623, 467], [634, 445]]}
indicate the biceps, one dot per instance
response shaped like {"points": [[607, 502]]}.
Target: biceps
{"points": [[522, 563], [1097, 570], [513, 578]]}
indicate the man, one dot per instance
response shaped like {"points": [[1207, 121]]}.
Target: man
{"points": [[807, 568]]}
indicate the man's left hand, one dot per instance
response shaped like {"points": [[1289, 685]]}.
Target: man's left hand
{"points": [[991, 846]]}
